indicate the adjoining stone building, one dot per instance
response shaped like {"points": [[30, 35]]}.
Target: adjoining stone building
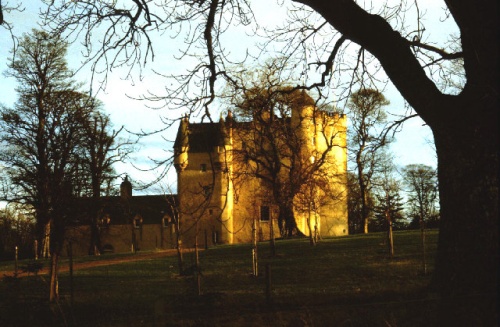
{"points": [[221, 195], [123, 223]]}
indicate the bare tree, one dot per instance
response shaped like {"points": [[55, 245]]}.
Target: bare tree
{"points": [[421, 181], [41, 137], [174, 222], [31, 128], [467, 153], [277, 124], [367, 138], [100, 149], [355, 212], [389, 201], [269, 157], [40, 161], [5, 10]]}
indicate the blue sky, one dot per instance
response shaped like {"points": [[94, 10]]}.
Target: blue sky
{"points": [[413, 142]]}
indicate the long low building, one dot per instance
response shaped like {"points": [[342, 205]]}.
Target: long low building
{"points": [[122, 223]]}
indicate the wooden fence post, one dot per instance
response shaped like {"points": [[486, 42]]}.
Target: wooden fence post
{"points": [[16, 261], [71, 292]]}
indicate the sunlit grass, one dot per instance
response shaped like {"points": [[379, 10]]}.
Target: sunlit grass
{"points": [[347, 280]]}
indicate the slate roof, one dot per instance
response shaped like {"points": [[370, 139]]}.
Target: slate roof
{"points": [[151, 208], [202, 137]]}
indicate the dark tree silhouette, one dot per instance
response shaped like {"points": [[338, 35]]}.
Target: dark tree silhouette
{"points": [[45, 141], [100, 148]]}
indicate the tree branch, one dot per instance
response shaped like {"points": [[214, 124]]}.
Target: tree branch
{"points": [[441, 52], [393, 51]]}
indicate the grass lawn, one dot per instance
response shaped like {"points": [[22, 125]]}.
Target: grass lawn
{"points": [[344, 281]]}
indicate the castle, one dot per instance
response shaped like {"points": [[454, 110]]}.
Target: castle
{"points": [[237, 179]]}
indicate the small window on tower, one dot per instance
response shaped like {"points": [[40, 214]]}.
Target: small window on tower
{"points": [[203, 167], [264, 213]]}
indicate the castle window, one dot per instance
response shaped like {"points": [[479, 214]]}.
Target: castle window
{"points": [[264, 213], [203, 167]]}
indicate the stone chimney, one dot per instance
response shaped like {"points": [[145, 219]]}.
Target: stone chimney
{"points": [[126, 189]]}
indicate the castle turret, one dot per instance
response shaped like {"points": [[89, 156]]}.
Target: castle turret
{"points": [[181, 145], [224, 136], [224, 189]]}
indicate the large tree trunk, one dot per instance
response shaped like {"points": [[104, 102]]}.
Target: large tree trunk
{"points": [[467, 261], [54, 282], [56, 246], [95, 238], [95, 233], [465, 131], [286, 219]]}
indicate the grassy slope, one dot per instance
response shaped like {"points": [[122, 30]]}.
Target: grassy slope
{"points": [[347, 281]]}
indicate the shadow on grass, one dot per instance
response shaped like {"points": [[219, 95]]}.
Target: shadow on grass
{"points": [[347, 281]]}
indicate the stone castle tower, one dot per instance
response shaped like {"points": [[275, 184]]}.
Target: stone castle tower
{"points": [[221, 196]]}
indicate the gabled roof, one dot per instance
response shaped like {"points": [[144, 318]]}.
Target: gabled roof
{"points": [[152, 208]]}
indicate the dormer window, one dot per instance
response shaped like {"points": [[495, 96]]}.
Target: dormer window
{"points": [[104, 221], [166, 221], [137, 222]]}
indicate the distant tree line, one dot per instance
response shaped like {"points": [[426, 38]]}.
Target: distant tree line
{"points": [[16, 230], [380, 195]]}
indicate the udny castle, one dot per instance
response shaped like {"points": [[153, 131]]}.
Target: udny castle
{"points": [[240, 178], [237, 180]]}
